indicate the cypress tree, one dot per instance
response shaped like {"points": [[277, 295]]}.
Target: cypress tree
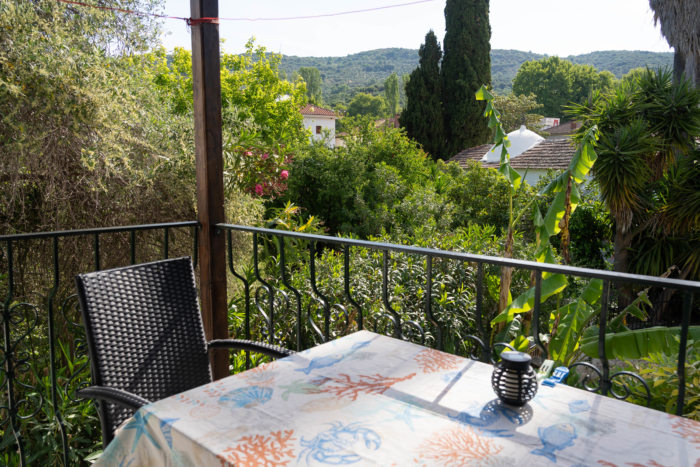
{"points": [[465, 67], [422, 118]]}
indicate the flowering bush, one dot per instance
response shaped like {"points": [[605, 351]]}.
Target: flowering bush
{"points": [[255, 170]]}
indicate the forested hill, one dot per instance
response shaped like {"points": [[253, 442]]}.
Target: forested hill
{"points": [[366, 71]]}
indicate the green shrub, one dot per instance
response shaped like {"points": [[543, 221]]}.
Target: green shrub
{"points": [[480, 195], [660, 372], [366, 187]]}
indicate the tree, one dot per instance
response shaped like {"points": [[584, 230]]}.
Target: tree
{"points": [[465, 67], [647, 171], [84, 138], [366, 186], [557, 83], [680, 24], [254, 97], [391, 93], [517, 110], [366, 104], [314, 84], [422, 117], [405, 78]]}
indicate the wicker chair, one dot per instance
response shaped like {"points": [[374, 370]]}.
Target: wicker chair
{"points": [[145, 337]]}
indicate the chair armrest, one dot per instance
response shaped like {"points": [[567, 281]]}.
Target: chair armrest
{"points": [[259, 347], [116, 396]]}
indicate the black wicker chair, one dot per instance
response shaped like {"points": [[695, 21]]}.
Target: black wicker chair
{"points": [[145, 337]]}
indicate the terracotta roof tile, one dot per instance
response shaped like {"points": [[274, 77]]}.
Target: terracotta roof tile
{"points": [[475, 154], [549, 154], [311, 109], [567, 128], [554, 154]]}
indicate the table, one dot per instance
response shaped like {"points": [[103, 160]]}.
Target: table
{"points": [[368, 399]]}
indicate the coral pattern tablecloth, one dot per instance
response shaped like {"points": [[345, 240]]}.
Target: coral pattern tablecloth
{"points": [[368, 399]]}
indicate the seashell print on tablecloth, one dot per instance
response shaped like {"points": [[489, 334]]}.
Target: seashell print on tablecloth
{"points": [[247, 397]]}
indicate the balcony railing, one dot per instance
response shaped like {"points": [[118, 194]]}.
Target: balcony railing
{"points": [[299, 290]]}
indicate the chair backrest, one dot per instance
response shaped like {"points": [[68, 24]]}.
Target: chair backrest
{"points": [[144, 332]]}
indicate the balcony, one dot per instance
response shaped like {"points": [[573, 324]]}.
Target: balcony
{"points": [[300, 290]]}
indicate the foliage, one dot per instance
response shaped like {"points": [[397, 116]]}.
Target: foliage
{"points": [[466, 65], [626, 344], [345, 76], [680, 22], [422, 118], [568, 322], [252, 93], [620, 62], [254, 170], [517, 110], [82, 132], [590, 227], [557, 83], [661, 370], [453, 299], [365, 187], [647, 171], [481, 196], [41, 432], [391, 94], [314, 84], [364, 104]]}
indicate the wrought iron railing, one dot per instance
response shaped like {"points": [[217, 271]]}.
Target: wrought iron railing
{"points": [[314, 316], [43, 359], [290, 288]]}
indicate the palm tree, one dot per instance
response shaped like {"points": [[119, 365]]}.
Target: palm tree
{"points": [[680, 24], [646, 161]]}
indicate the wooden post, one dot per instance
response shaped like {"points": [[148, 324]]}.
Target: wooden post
{"points": [[206, 80]]}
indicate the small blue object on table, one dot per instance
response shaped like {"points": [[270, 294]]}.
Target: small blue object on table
{"points": [[559, 376]]}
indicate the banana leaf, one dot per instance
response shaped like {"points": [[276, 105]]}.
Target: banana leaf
{"points": [[638, 343], [549, 286], [573, 319]]}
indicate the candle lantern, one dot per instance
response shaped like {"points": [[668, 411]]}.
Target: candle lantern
{"points": [[513, 379]]}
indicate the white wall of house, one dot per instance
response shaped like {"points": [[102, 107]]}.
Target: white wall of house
{"points": [[533, 175], [322, 128]]}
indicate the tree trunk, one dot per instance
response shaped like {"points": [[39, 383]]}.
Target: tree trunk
{"points": [[564, 225], [621, 255], [506, 274], [679, 66]]}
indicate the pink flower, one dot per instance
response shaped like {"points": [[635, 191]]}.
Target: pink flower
{"points": [[284, 175], [258, 189], [264, 156], [248, 153]]}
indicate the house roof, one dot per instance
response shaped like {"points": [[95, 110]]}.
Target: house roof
{"points": [[547, 154], [555, 154], [311, 109], [521, 140], [474, 154], [567, 128]]}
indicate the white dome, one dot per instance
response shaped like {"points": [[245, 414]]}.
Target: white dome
{"points": [[521, 140]]}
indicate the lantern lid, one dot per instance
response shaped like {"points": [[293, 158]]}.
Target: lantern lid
{"points": [[515, 360]]}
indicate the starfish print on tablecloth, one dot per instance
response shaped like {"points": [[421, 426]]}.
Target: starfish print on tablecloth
{"points": [[139, 422]]}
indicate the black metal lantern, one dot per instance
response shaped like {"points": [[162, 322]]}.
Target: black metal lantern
{"points": [[513, 379]]}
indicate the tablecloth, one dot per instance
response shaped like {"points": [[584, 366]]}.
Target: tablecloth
{"points": [[368, 399]]}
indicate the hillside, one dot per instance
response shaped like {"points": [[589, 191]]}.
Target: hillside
{"points": [[366, 71]]}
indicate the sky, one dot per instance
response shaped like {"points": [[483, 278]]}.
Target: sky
{"points": [[552, 27]]}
